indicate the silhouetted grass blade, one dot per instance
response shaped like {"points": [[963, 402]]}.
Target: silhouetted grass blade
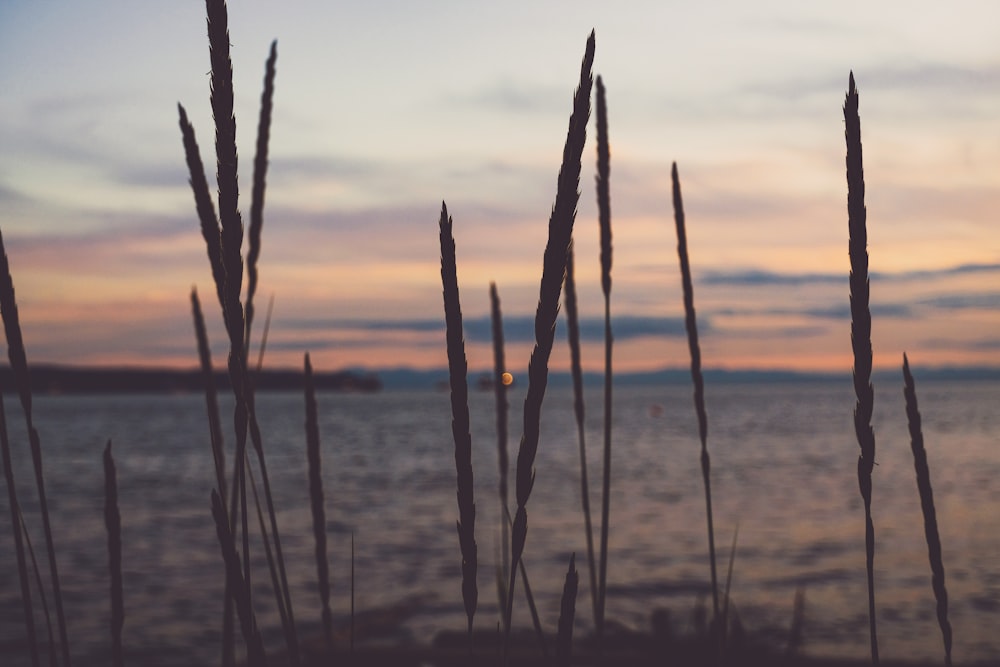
{"points": [[861, 334], [553, 273], [460, 425], [567, 615], [210, 230], [604, 211], [259, 184]]}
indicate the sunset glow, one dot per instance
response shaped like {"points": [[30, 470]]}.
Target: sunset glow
{"points": [[376, 121]]}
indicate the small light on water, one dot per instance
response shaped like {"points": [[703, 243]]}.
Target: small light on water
{"points": [[507, 379]]}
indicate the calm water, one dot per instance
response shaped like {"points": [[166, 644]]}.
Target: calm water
{"points": [[783, 465]]}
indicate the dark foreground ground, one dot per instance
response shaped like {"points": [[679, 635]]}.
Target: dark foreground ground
{"points": [[635, 650]]}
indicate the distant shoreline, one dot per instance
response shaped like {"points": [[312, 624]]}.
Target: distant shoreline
{"points": [[74, 380], [51, 379]]}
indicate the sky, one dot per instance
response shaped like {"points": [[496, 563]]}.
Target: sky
{"points": [[383, 110]]}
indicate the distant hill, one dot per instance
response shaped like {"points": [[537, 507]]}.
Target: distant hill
{"points": [[47, 379], [51, 379], [411, 379]]}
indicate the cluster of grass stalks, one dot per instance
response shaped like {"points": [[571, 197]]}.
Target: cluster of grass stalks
{"points": [[19, 365], [223, 234]]}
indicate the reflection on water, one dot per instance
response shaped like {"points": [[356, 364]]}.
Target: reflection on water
{"points": [[783, 466]]}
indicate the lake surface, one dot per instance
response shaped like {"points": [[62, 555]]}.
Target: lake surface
{"points": [[784, 462]]}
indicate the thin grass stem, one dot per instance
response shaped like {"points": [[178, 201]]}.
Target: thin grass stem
{"points": [[352, 593], [573, 333], [317, 503], [536, 620], [927, 506], [268, 554], [19, 533], [502, 409], [113, 523], [724, 620], [264, 334], [53, 658], [696, 377], [282, 590]]}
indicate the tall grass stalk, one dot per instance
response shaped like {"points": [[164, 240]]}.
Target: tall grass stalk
{"points": [[567, 614], [316, 502], [861, 334], [229, 267], [699, 385], [460, 425], [16, 529], [231, 237], [113, 523], [553, 273], [573, 333], [253, 253], [502, 409], [212, 234], [259, 184], [927, 506], [604, 211], [19, 366]]}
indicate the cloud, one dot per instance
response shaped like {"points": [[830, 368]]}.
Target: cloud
{"points": [[973, 301], [11, 196], [840, 312], [979, 344], [517, 329], [760, 277], [938, 78], [505, 96], [775, 333]]}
